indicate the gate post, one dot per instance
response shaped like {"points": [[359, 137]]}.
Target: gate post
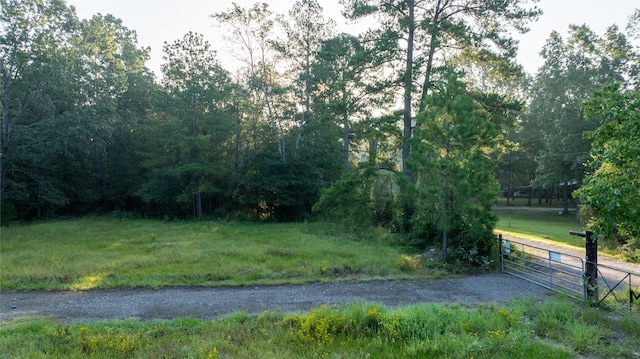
{"points": [[501, 254], [591, 266]]}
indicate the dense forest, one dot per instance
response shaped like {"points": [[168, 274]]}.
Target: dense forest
{"points": [[416, 125]]}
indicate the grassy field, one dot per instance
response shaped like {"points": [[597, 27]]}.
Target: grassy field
{"points": [[543, 223], [523, 329], [103, 252], [106, 253]]}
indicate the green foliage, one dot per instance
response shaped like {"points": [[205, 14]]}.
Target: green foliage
{"points": [[345, 95], [474, 34], [522, 329], [456, 137], [348, 200], [612, 190], [361, 198], [280, 190], [552, 130], [472, 238], [62, 79], [87, 128], [186, 160]]}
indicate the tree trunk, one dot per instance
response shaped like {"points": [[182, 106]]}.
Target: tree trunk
{"points": [[445, 229], [197, 201], [407, 132], [198, 204], [408, 88], [345, 136], [345, 145], [445, 193], [509, 187], [373, 151], [565, 197], [5, 129], [272, 118], [530, 190], [540, 196], [433, 41]]}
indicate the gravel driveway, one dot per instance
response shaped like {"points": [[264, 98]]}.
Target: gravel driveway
{"points": [[210, 303]]}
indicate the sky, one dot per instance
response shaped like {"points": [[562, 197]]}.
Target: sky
{"points": [[159, 21]]}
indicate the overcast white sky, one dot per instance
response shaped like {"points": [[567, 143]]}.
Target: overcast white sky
{"points": [[157, 21]]}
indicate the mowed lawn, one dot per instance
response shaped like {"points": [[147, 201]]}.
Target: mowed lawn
{"points": [[541, 222], [107, 253]]}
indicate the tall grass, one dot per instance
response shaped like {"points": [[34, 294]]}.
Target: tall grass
{"points": [[524, 329], [106, 253]]}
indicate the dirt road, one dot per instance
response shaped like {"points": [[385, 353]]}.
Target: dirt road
{"points": [[209, 303]]}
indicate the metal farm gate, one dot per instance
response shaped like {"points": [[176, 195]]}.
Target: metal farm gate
{"points": [[618, 286], [571, 275], [556, 271]]}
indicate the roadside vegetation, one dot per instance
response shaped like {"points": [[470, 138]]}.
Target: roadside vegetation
{"points": [[558, 328]]}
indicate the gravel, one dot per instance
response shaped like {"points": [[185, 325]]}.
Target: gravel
{"points": [[210, 303]]}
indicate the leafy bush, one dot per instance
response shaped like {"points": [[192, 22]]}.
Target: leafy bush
{"points": [[278, 190], [361, 198], [472, 236], [611, 190]]}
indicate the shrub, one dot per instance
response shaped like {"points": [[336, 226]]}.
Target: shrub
{"points": [[346, 201]]}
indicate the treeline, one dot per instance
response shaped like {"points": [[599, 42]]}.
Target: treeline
{"points": [[87, 128], [407, 126], [579, 136], [552, 151]]}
